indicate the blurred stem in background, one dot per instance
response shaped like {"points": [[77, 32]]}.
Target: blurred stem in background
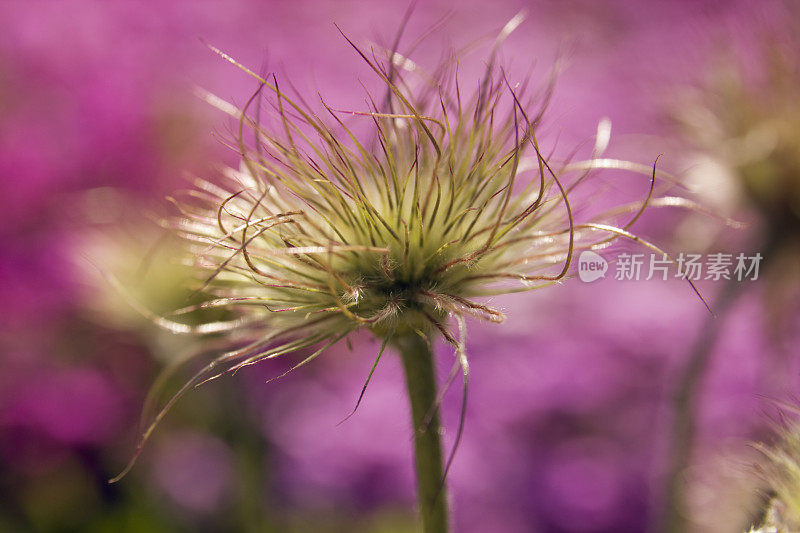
{"points": [[684, 410], [417, 355], [685, 402]]}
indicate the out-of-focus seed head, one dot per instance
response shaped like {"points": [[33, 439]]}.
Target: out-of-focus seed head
{"points": [[780, 470], [746, 115]]}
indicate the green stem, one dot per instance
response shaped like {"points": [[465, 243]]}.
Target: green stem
{"points": [[417, 358]]}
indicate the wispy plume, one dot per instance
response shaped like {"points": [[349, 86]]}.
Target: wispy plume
{"points": [[405, 231]]}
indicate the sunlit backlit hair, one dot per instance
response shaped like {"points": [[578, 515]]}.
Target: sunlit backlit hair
{"points": [[323, 231], [780, 470]]}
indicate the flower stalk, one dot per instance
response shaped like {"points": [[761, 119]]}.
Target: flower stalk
{"points": [[417, 356]]}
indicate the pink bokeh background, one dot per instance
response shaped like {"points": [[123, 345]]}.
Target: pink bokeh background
{"points": [[568, 425]]}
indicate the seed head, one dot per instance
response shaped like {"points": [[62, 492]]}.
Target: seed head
{"points": [[780, 470], [746, 116], [448, 200]]}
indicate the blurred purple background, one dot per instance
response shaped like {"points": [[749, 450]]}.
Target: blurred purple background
{"points": [[569, 426]]}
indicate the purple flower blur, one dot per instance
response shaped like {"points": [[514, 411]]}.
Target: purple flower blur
{"points": [[567, 420]]}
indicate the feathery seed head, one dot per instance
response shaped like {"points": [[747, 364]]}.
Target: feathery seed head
{"points": [[781, 472], [323, 231], [450, 200], [747, 117]]}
